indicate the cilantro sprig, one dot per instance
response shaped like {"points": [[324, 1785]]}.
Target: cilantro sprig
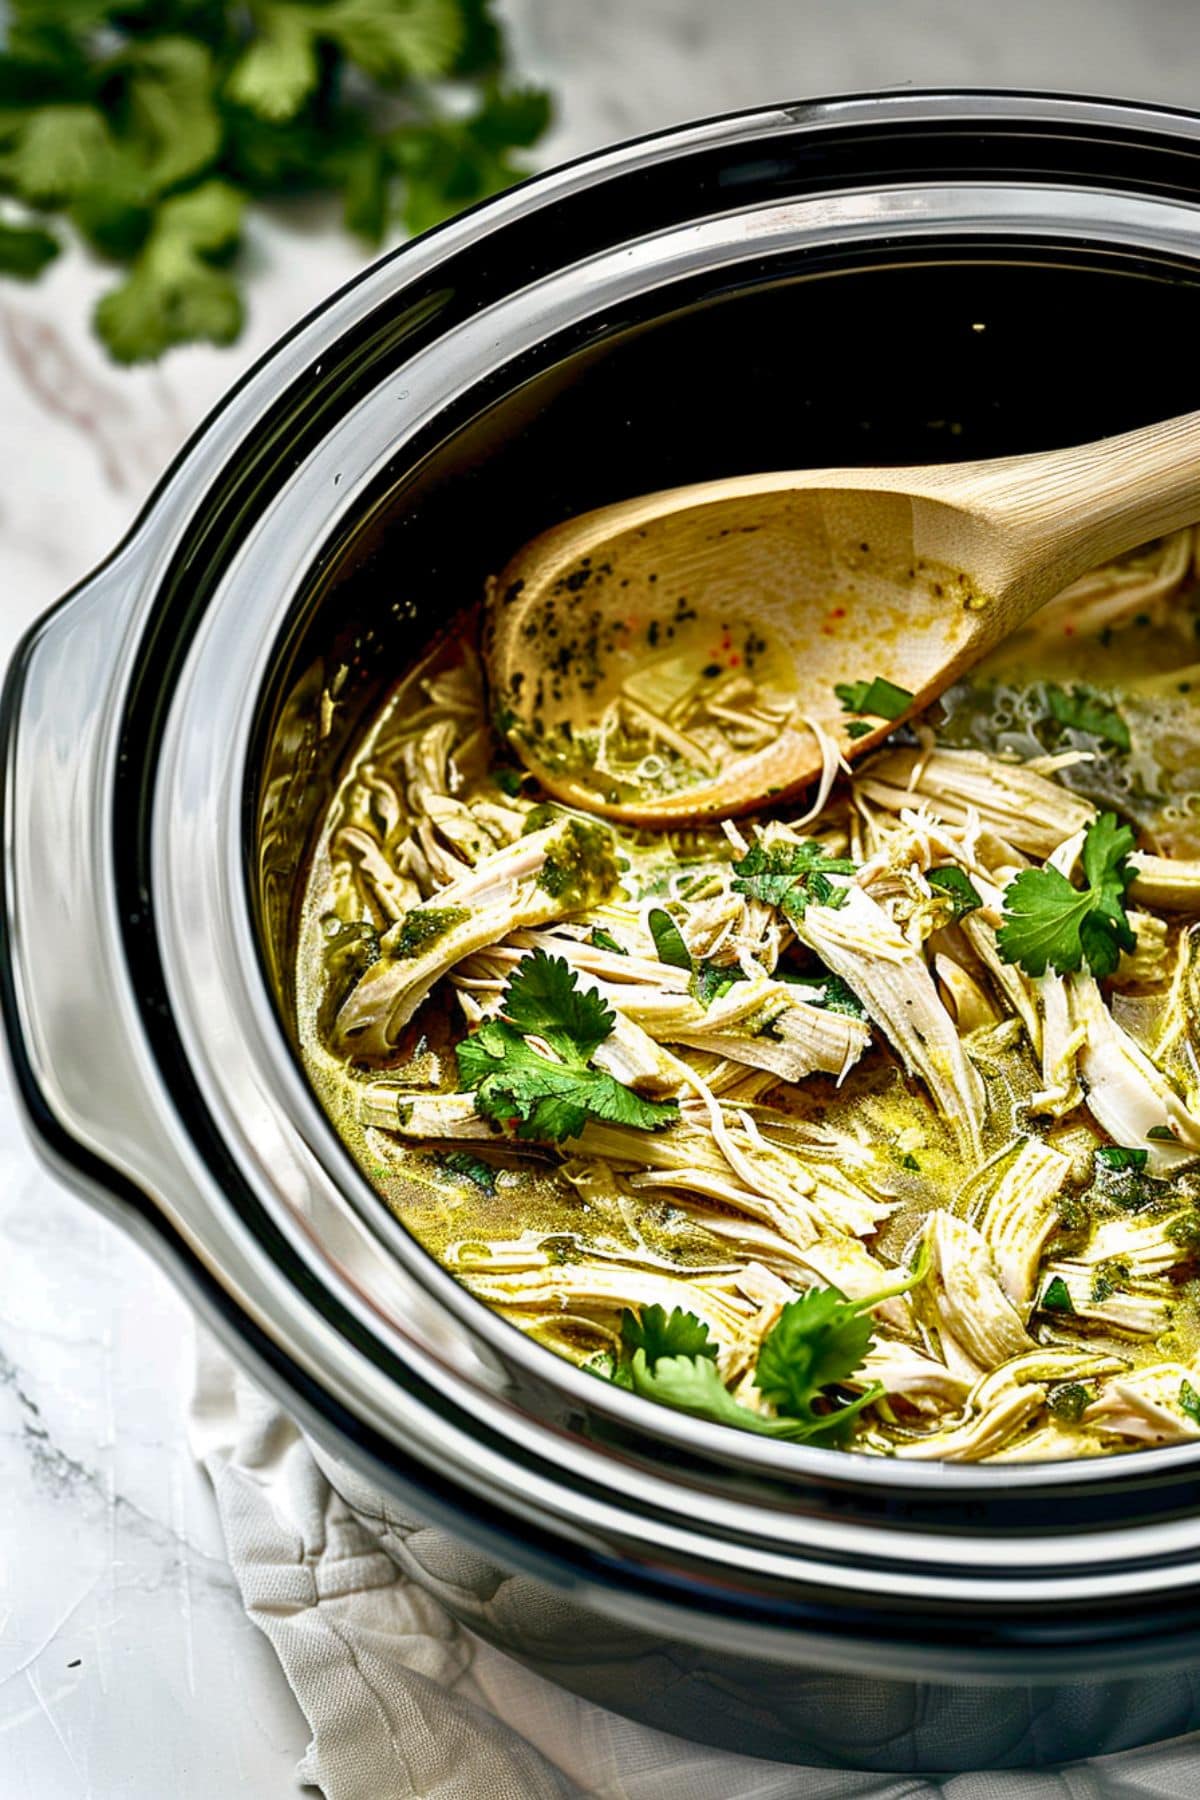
{"points": [[550, 1096], [149, 124], [791, 876], [1049, 923], [817, 1343]]}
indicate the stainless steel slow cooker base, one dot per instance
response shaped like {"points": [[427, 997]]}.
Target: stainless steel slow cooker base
{"points": [[781, 1711], [889, 278]]}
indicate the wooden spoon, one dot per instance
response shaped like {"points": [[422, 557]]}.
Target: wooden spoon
{"points": [[677, 655]]}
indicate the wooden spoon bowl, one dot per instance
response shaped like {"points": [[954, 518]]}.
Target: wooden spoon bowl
{"points": [[679, 655]]}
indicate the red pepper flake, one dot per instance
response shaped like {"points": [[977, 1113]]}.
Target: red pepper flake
{"points": [[1068, 629], [839, 612], [734, 660]]}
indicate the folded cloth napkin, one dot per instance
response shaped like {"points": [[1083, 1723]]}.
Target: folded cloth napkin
{"points": [[404, 1702]]}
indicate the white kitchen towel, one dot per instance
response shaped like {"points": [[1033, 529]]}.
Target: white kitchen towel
{"points": [[405, 1703]]}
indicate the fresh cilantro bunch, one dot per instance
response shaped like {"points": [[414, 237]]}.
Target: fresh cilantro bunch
{"points": [[148, 125], [817, 1343], [791, 876], [1049, 923], [550, 1094]]}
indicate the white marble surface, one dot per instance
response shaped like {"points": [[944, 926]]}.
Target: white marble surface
{"points": [[127, 1670]]}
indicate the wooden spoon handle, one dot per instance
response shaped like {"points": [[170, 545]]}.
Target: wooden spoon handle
{"points": [[1065, 511]]}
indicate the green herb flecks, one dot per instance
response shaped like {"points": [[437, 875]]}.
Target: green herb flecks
{"points": [[958, 887], [712, 981], [581, 865], [423, 926], [1108, 1278], [472, 1169], [791, 876], [1068, 1401], [828, 991]]}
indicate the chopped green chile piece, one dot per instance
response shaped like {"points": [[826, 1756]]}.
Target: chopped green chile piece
{"points": [[1057, 1297], [1120, 1156], [668, 940], [881, 698]]}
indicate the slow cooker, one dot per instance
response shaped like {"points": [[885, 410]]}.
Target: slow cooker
{"points": [[890, 278]]}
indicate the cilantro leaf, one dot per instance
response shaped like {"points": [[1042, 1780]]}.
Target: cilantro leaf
{"points": [[1083, 710], [954, 882], [394, 39], [278, 69], [543, 995], [791, 876], [1048, 923], [453, 165], [174, 294], [549, 1100], [550, 1097], [111, 110], [172, 126], [691, 1384], [658, 1333], [818, 1341], [25, 250], [881, 698], [668, 940]]}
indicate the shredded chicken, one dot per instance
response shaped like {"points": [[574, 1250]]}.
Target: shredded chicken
{"points": [[793, 1053]]}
